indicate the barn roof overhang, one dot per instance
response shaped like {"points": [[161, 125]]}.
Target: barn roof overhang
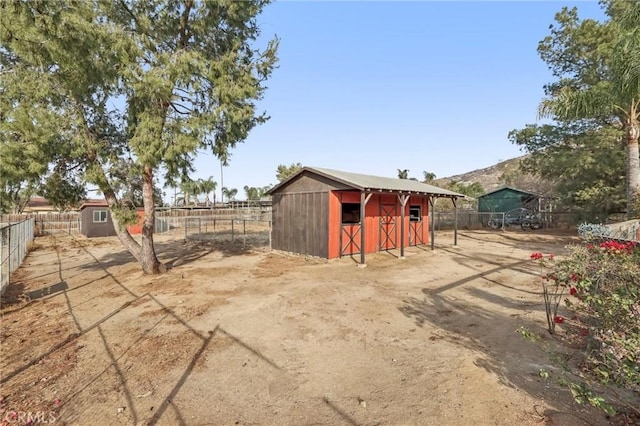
{"points": [[373, 184]]}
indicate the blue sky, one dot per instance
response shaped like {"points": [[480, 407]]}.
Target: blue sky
{"points": [[372, 87]]}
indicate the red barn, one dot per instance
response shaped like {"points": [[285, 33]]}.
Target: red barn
{"points": [[321, 212]]}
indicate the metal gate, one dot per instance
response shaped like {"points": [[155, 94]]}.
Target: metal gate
{"points": [[388, 229]]}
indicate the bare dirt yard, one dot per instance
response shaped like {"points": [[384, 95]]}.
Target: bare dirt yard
{"points": [[234, 335]]}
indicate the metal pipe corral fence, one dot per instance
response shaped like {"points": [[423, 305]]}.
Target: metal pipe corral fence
{"points": [[14, 241]]}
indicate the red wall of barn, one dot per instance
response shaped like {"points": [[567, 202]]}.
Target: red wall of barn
{"points": [[372, 221], [137, 227]]}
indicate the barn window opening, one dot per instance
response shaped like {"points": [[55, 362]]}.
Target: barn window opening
{"points": [[350, 213], [99, 216], [415, 213]]}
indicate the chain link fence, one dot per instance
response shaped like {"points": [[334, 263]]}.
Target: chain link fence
{"points": [[252, 229], [14, 240], [476, 220]]}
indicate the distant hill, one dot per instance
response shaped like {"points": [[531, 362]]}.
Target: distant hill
{"points": [[502, 174]]}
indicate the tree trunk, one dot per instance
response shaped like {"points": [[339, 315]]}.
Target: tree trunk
{"points": [[633, 171], [149, 260], [124, 236]]}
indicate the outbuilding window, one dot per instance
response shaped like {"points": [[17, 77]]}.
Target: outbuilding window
{"points": [[415, 213], [99, 216], [350, 213]]}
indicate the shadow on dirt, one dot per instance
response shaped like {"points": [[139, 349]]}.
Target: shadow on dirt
{"points": [[471, 326], [535, 240], [178, 253], [117, 366], [172, 253], [47, 291]]}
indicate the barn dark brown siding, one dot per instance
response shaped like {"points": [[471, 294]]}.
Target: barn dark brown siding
{"points": [[301, 223]]}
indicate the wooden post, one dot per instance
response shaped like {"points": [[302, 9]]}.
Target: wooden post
{"points": [[362, 218], [364, 199], [403, 204], [455, 222], [432, 206]]}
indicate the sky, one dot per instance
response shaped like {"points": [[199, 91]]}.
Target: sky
{"points": [[376, 86]]}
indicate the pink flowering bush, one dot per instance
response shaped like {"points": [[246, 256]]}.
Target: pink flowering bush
{"points": [[553, 289], [602, 282]]}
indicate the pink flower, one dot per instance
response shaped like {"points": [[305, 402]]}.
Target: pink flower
{"points": [[558, 319], [551, 256], [536, 256], [573, 291], [574, 277]]}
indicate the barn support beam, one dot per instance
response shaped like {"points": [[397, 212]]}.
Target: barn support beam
{"points": [[364, 199], [403, 203], [432, 222], [455, 221]]}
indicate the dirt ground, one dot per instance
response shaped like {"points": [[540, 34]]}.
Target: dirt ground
{"points": [[234, 335]]}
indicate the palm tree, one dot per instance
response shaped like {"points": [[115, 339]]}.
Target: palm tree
{"points": [[403, 174], [206, 186], [229, 193], [189, 189], [617, 95], [252, 193], [428, 177]]}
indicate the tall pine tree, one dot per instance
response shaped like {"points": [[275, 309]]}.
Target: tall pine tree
{"points": [[115, 89]]}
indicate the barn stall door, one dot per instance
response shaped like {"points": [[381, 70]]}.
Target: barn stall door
{"points": [[388, 228], [350, 239], [416, 237]]}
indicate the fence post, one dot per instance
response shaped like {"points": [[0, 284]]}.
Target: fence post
{"points": [[23, 241], [232, 233], [244, 232], [9, 255], [186, 222], [199, 227], [1, 260]]}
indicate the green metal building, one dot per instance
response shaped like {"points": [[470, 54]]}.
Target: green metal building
{"points": [[505, 199]]}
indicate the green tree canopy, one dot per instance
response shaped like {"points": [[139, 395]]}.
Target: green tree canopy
{"points": [[584, 160], [473, 189], [138, 85], [597, 66], [255, 193], [63, 191], [283, 171]]}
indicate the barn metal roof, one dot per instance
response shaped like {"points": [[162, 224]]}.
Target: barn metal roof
{"points": [[372, 183], [510, 188]]}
